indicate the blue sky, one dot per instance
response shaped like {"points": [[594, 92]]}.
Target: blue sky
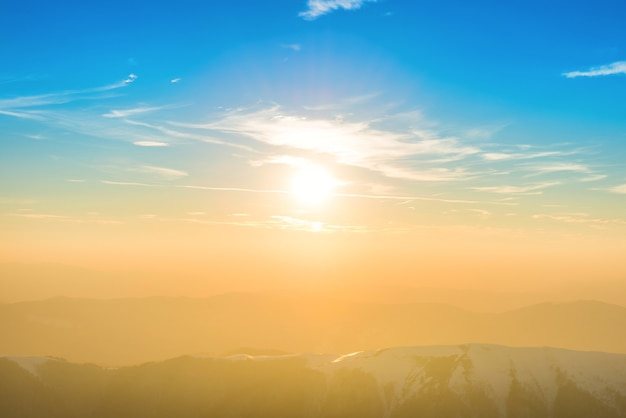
{"points": [[487, 115]]}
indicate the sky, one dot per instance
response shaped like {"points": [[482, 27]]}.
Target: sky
{"points": [[276, 143]]}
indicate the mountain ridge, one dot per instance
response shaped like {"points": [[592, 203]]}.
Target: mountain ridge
{"points": [[153, 329], [468, 380]]}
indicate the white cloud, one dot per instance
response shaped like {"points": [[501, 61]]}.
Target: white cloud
{"points": [[351, 143], [498, 156], [579, 168], [560, 167], [283, 223], [233, 189], [131, 78], [175, 80], [185, 135], [529, 189], [151, 144], [594, 177], [579, 218], [405, 199], [126, 183], [14, 201], [351, 103], [280, 159], [21, 115], [15, 106], [317, 8], [39, 100], [37, 215], [621, 189], [503, 156], [610, 69], [435, 174], [166, 173], [298, 224], [482, 212], [129, 112], [346, 195], [288, 222], [293, 47]]}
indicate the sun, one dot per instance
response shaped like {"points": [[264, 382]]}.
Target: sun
{"points": [[312, 185]]}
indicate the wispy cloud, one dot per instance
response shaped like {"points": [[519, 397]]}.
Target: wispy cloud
{"points": [[89, 122], [281, 222], [15, 201], [481, 212], [151, 144], [621, 189], [363, 146], [298, 224], [288, 222], [233, 189], [15, 106], [130, 112], [558, 168], [405, 199], [580, 218], [594, 177], [62, 218], [22, 115], [127, 183], [523, 190], [393, 154], [175, 80], [293, 47], [401, 198], [610, 69], [317, 8], [36, 215], [186, 135], [165, 173], [410, 148], [279, 159], [23, 102], [131, 78], [504, 156], [351, 103]]}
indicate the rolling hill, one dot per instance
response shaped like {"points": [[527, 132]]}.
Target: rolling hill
{"points": [[130, 331]]}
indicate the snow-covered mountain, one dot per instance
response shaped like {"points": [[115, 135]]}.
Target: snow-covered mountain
{"points": [[496, 380], [474, 380]]}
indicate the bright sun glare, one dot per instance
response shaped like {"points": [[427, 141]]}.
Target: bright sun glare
{"points": [[312, 185]]}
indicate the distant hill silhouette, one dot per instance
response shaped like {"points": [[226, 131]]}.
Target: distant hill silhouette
{"points": [[131, 331], [475, 380], [25, 282]]}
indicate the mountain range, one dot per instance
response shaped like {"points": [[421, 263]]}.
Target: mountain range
{"points": [[120, 332], [471, 380]]}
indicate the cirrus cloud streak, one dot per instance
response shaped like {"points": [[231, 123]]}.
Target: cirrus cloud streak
{"points": [[610, 69], [317, 8]]}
